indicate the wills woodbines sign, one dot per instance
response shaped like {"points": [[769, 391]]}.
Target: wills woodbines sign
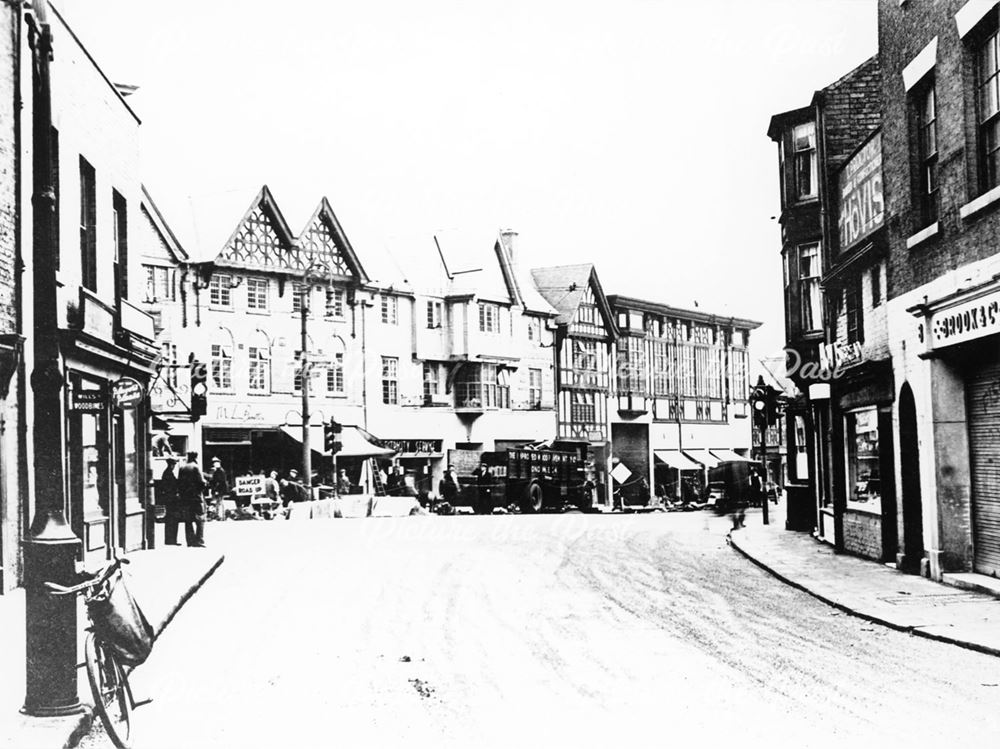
{"points": [[862, 206]]}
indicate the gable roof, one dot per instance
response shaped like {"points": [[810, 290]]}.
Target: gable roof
{"points": [[472, 265], [324, 213], [170, 241], [563, 286]]}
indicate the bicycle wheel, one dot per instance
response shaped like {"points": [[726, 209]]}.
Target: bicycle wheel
{"points": [[112, 694]]}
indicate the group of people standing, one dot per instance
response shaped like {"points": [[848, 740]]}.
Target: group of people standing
{"points": [[183, 495]]}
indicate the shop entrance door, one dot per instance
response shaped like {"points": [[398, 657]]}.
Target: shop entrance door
{"points": [[909, 456], [983, 404], [129, 514]]}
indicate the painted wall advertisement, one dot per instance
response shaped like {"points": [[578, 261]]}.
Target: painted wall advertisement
{"points": [[862, 207]]}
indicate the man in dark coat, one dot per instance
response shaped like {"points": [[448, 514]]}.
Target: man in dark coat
{"points": [[450, 488], [166, 495], [191, 490]]}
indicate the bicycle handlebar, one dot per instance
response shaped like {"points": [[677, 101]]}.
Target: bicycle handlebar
{"points": [[98, 579]]}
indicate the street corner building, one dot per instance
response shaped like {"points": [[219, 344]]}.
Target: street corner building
{"points": [[890, 241]]}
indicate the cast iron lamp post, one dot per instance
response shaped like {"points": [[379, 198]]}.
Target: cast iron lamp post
{"points": [[51, 548]]}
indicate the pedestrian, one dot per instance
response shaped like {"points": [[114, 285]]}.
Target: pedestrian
{"points": [[291, 489], [756, 489], [449, 488], [484, 489], [343, 483], [218, 485], [191, 487], [166, 490], [393, 482]]}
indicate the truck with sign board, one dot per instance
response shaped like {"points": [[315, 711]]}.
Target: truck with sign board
{"points": [[535, 477]]}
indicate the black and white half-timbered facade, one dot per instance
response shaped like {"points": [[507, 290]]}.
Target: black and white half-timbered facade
{"points": [[584, 360]]}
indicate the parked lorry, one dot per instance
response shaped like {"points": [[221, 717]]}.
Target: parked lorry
{"points": [[534, 477]]}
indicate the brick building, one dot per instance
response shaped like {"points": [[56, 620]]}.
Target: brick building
{"points": [[905, 218], [833, 255], [941, 133]]}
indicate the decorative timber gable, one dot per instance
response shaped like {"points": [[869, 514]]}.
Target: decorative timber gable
{"points": [[263, 241]]}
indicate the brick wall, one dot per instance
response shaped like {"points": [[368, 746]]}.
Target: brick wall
{"points": [[863, 534], [903, 32], [851, 110]]}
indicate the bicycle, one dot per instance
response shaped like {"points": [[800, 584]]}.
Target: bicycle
{"points": [[119, 639]]}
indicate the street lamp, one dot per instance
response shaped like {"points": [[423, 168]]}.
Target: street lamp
{"points": [[50, 548], [305, 290]]}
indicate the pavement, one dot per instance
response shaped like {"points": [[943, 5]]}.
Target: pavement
{"points": [[161, 581], [962, 610]]}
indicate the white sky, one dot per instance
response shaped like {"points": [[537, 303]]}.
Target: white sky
{"points": [[630, 134]]}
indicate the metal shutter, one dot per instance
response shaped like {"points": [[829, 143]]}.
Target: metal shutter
{"points": [[983, 392]]}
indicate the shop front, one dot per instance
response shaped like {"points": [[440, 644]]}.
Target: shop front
{"points": [[862, 436], [960, 334], [107, 433]]}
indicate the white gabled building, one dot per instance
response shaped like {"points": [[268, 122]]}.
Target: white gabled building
{"points": [[431, 345]]}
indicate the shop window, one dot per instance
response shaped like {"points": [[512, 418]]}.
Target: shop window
{"points": [[864, 486], [804, 160], [390, 379], [988, 101], [94, 504], [811, 299], [130, 459], [801, 448]]}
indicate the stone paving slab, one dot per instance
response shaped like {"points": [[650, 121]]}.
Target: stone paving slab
{"points": [[873, 591]]}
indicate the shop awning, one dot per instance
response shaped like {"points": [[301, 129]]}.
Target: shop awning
{"points": [[726, 455], [704, 457], [354, 440], [676, 459]]}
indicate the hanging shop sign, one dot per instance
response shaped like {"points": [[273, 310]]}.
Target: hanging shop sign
{"points": [[87, 401], [127, 393], [862, 204]]}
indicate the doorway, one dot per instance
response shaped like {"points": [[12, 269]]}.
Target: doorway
{"points": [[909, 464]]}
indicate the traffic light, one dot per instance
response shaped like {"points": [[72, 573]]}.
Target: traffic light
{"points": [[766, 404], [331, 435], [758, 402], [199, 390]]}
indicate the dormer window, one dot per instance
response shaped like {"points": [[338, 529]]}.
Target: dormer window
{"points": [[804, 160]]}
